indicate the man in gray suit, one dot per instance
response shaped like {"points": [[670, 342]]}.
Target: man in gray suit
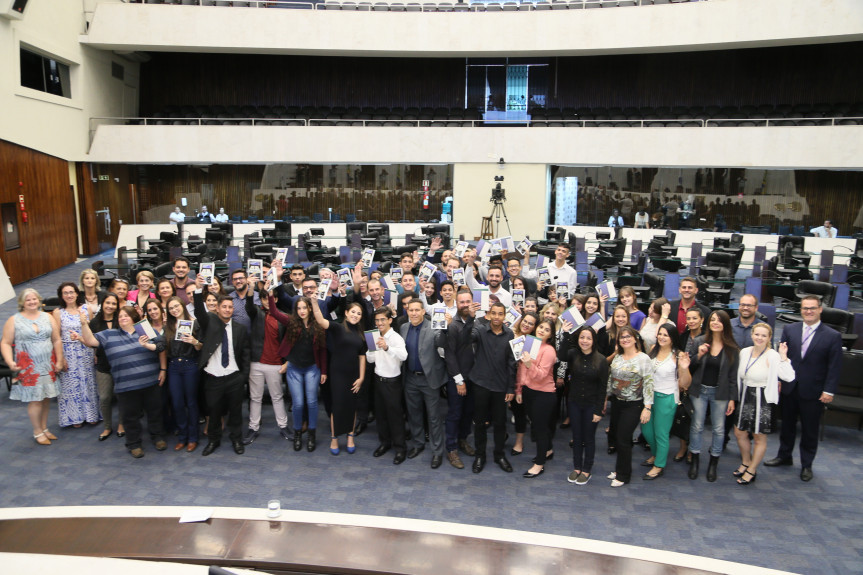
{"points": [[425, 373]]}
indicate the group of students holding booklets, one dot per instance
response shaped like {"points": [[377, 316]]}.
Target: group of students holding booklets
{"points": [[476, 328]]}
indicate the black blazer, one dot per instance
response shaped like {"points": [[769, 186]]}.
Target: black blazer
{"points": [[212, 328], [726, 384], [819, 370], [459, 353], [675, 310]]}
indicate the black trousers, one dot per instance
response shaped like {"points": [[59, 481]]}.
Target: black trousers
{"points": [[366, 397], [489, 406], [540, 406], [625, 416], [225, 396], [389, 393], [808, 411], [131, 403]]}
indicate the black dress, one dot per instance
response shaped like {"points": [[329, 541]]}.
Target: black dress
{"points": [[345, 348]]}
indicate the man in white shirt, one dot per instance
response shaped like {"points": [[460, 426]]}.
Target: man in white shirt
{"points": [[495, 291], [177, 217], [221, 217], [615, 220], [825, 231], [389, 388], [559, 270]]}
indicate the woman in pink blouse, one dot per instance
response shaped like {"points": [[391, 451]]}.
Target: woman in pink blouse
{"points": [[534, 385]]}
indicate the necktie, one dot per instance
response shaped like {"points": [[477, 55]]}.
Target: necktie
{"points": [[807, 337], [225, 347]]}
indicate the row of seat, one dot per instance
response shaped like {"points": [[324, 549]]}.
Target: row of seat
{"points": [[507, 6]]}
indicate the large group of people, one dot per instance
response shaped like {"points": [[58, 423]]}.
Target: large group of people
{"points": [[187, 353]]}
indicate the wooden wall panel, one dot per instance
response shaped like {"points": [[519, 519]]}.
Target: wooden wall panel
{"points": [[835, 196], [49, 239], [783, 75]]}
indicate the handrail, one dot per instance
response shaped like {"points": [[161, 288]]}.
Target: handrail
{"points": [[325, 122], [457, 6]]}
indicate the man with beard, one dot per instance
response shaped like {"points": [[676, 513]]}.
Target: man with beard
{"points": [[459, 363]]}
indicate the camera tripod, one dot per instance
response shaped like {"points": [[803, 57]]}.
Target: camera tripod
{"points": [[496, 211]]}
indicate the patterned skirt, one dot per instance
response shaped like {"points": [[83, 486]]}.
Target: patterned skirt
{"points": [[756, 415]]}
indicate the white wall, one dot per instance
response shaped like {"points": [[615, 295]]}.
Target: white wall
{"points": [[691, 26], [52, 124], [828, 147]]}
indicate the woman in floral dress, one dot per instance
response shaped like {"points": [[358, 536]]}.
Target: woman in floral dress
{"points": [[79, 398]]}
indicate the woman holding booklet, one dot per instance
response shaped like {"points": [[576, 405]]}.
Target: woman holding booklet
{"points": [[534, 386], [524, 326], [346, 376], [138, 367], [182, 349]]}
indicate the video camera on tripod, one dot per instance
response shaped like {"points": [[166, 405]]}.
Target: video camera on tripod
{"points": [[498, 194]]}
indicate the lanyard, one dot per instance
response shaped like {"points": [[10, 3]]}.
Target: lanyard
{"points": [[751, 363]]}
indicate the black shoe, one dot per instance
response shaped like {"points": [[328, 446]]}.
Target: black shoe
{"points": [[311, 441], [647, 463], [399, 458], [514, 453], [612, 450], [742, 479], [382, 448], [548, 457], [779, 462], [371, 418], [104, 437], [361, 426], [250, 437], [693, 465], [211, 447], [711, 468], [565, 425], [529, 475], [678, 459], [504, 464], [806, 474], [649, 477], [238, 447], [415, 451], [285, 433], [478, 464], [298, 440], [436, 461]]}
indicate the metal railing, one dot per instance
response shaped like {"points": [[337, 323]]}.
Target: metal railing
{"points": [[347, 5]]}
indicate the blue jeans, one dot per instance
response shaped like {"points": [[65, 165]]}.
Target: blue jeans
{"points": [[304, 383], [183, 385], [717, 421]]}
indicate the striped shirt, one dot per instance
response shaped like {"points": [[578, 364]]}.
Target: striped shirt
{"points": [[132, 365]]}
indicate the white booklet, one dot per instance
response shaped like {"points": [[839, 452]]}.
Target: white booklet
{"points": [[207, 270], [481, 296], [458, 277], [439, 318], [606, 288], [324, 289], [543, 276], [255, 270], [281, 255], [523, 246], [372, 336], [563, 290], [144, 328], [511, 317], [518, 297], [573, 316], [345, 277], [184, 327], [595, 322], [368, 257], [517, 345], [460, 249], [388, 283], [427, 271]]}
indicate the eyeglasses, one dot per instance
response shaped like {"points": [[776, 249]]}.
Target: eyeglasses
{"points": [[808, 308], [624, 337], [747, 305]]}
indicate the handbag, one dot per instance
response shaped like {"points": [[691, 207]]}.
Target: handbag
{"points": [[683, 417]]}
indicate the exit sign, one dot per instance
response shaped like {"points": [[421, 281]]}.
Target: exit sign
{"points": [[101, 178]]}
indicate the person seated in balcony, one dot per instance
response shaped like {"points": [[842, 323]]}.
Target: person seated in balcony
{"points": [[825, 231], [221, 217], [204, 217], [615, 220], [177, 216]]}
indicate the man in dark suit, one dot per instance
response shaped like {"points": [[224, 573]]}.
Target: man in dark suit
{"points": [[225, 358], [459, 362], [425, 373], [513, 269], [815, 351], [688, 290]]}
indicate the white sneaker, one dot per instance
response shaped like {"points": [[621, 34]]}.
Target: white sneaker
{"points": [[612, 475], [616, 483]]}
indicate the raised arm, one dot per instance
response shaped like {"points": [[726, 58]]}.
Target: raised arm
{"points": [[319, 316]]}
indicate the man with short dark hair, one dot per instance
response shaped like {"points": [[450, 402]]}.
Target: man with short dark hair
{"points": [[242, 291], [815, 352], [493, 374], [181, 279], [747, 316], [225, 357], [388, 358], [425, 373], [688, 290], [459, 363], [297, 275]]}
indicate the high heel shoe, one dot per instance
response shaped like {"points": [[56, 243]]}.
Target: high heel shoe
{"points": [[335, 451], [49, 435], [41, 439], [513, 452], [679, 458], [742, 481], [737, 473], [351, 448]]}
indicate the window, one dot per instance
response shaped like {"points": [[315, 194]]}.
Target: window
{"points": [[45, 74]]}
